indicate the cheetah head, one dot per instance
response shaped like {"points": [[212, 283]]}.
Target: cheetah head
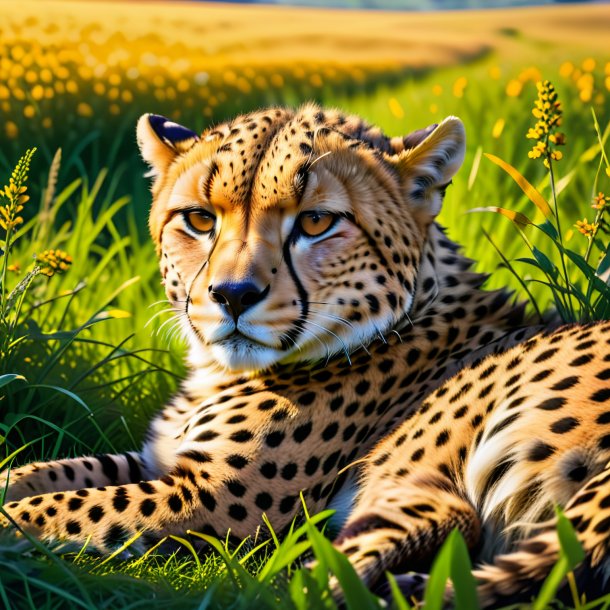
{"points": [[292, 235]]}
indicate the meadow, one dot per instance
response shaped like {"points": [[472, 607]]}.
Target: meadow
{"points": [[86, 355]]}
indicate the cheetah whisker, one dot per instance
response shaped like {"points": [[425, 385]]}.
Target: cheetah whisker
{"points": [[289, 338], [328, 354], [397, 333], [166, 301], [330, 332], [159, 303], [175, 330], [329, 152], [174, 318], [382, 337], [157, 314], [319, 340], [341, 320]]}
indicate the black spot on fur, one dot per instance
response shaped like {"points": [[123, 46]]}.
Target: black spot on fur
{"points": [[116, 535], [238, 512], [263, 500], [540, 451], [175, 503], [96, 513], [207, 499], [73, 528], [302, 432], [237, 461], [602, 395], [287, 503], [552, 404], [564, 425], [147, 507]]}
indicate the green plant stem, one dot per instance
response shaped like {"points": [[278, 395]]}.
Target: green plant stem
{"points": [[521, 281], [556, 295], [561, 255], [7, 251], [597, 222]]}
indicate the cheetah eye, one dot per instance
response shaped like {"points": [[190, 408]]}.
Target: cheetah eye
{"points": [[199, 221], [314, 224]]}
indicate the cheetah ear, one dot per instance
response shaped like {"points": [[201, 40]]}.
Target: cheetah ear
{"points": [[431, 158], [161, 140]]}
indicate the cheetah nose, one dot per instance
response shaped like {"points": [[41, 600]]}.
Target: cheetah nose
{"points": [[238, 296]]}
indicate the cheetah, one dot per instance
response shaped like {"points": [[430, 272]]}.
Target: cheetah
{"points": [[342, 348]]}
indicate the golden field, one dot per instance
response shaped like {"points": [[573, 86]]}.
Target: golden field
{"points": [[61, 60]]}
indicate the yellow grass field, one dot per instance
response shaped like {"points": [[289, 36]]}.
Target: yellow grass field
{"points": [[197, 35], [223, 35]]}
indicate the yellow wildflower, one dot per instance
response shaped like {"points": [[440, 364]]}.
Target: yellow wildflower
{"points": [[15, 193], [558, 138], [53, 261], [14, 268], [547, 111], [498, 128], [533, 134], [600, 201], [459, 86], [588, 229], [514, 88], [538, 150]]}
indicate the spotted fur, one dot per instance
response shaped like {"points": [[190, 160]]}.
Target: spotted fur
{"points": [[368, 349]]}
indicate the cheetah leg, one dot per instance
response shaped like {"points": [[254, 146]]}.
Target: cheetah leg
{"points": [[106, 517], [402, 521], [72, 474], [520, 573]]}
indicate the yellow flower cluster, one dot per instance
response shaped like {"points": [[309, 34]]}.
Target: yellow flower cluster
{"points": [[53, 261], [547, 111], [14, 193], [588, 229], [600, 201]]}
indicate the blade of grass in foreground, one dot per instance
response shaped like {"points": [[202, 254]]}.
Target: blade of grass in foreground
{"points": [[532, 193], [356, 594], [570, 555], [452, 562]]}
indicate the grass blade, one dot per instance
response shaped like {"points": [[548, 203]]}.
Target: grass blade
{"points": [[532, 193]]}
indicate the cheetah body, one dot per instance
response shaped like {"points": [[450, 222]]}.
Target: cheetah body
{"points": [[336, 331]]}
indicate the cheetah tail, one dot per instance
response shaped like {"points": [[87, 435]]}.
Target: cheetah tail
{"points": [[519, 574]]}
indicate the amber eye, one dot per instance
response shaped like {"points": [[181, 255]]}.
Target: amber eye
{"points": [[199, 221], [314, 224]]}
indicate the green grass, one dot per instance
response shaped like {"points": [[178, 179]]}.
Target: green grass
{"points": [[98, 363]]}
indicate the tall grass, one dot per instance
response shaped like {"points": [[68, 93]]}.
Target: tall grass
{"points": [[79, 340]]}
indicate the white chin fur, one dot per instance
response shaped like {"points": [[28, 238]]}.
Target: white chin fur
{"points": [[243, 355], [239, 354]]}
